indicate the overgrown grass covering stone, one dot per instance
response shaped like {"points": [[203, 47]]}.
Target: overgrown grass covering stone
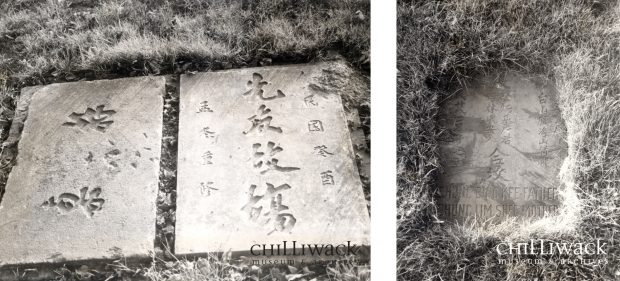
{"points": [[445, 45]]}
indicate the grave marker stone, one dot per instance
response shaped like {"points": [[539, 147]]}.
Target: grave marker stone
{"points": [[501, 151], [265, 158], [86, 176]]}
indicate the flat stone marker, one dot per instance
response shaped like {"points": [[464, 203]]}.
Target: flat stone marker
{"points": [[265, 156], [87, 171], [501, 151]]}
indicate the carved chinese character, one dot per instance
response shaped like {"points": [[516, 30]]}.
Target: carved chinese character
{"points": [[207, 157], [256, 88], [327, 178], [309, 101], [205, 188], [283, 222], [96, 119], [204, 107], [265, 162], [254, 212], [315, 126], [207, 133], [322, 150], [68, 202], [496, 165], [261, 123]]}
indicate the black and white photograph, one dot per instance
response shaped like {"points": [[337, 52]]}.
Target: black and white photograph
{"points": [[172, 140], [185, 140], [508, 142]]}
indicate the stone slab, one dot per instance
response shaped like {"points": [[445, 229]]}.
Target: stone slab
{"points": [[86, 176], [501, 150], [265, 157]]}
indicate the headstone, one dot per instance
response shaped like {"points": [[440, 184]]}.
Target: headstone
{"points": [[265, 156], [86, 176], [501, 151]]}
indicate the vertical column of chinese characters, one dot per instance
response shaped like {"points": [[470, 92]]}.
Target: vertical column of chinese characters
{"points": [[544, 128], [93, 119], [278, 217], [316, 126], [207, 187]]}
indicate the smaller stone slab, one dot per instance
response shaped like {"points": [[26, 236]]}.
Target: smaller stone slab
{"points": [[501, 151], [265, 156], [86, 176]]}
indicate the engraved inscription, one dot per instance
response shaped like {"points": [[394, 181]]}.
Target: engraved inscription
{"points": [[281, 219], [261, 122], [265, 161], [68, 202], [322, 150], [204, 107], [95, 119], [277, 214], [207, 158], [208, 134], [315, 126], [327, 178], [282, 222], [501, 150], [255, 87], [496, 166], [310, 102], [205, 188]]}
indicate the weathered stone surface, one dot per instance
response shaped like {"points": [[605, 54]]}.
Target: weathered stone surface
{"points": [[501, 151], [360, 146], [265, 156], [85, 181]]}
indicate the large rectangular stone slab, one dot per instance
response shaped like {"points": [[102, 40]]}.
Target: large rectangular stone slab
{"points": [[86, 176], [265, 156], [501, 151]]}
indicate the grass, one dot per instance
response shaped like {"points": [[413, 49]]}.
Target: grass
{"points": [[442, 47], [53, 41], [70, 38], [216, 268], [211, 268]]}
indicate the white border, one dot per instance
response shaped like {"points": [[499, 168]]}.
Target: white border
{"points": [[383, 139]]}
